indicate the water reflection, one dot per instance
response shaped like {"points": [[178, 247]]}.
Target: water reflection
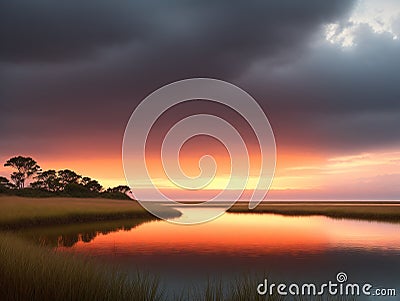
{"points": [[288, 248], [69, 235], [251, 234]]}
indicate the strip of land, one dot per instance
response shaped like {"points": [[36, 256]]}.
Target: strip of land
{"points": [[19, 212], [372, 211]]}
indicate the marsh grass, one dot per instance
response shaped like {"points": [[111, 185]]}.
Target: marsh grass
{"points": [[385, 212], [18, 212], [30, 272], [243, 288]]}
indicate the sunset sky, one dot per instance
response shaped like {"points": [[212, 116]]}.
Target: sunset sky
{"points": [[326, 73]]}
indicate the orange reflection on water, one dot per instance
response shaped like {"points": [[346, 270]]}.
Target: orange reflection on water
{"points": [[250, 234]]}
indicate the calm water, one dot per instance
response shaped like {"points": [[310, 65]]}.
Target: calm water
{"points": [[289, 249]]}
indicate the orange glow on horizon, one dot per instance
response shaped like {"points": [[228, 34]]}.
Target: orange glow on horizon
{"points": [[373, 172]]}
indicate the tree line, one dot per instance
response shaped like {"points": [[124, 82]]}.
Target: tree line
{"points": [[63, 182]]}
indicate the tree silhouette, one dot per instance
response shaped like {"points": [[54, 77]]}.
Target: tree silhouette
{"points": [[85, 180], [68, 177], [64, 182], [18, 179], [94, 186], [121, 188], [25, 166], [5, 184], [47, 180]]}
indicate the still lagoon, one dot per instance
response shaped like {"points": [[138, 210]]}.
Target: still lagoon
{"points": [[285, 249]]}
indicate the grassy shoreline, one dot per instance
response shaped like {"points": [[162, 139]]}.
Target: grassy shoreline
{"points": [[32, 272], [19, 212], [370, 211]]}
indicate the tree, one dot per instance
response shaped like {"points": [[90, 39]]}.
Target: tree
{"points": [[18, 179], [94, 186], [48, 180], [5, 184], [26, 167], [121, 192], [68, 177], [85, 180], [121, 188]]}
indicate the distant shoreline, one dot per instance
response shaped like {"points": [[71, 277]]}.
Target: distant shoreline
{"points": [[360, 210], [373, 210], [276, 201]]}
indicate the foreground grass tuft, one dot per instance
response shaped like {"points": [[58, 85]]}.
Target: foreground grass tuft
{"points": [[30, 272], [243, 289]]}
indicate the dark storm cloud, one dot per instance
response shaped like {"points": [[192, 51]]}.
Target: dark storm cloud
{"points": [[46, 30], [335, 98], [81, 66], [78, 69]]}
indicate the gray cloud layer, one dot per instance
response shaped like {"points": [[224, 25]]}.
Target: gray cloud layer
{"points": [[44, 30], [344, 99], [78, 69]]}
